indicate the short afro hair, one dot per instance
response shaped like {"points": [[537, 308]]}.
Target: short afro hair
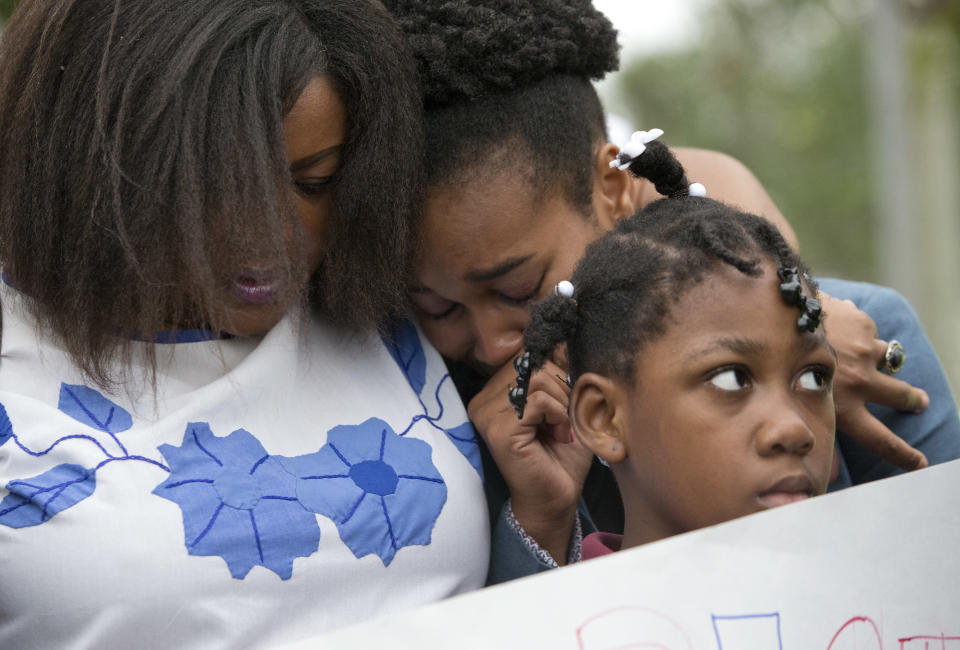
{"points": [[504, 74]]}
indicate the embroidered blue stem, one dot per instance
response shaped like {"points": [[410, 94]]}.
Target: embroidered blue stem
{"points": [[431, 420], [58, 441]]}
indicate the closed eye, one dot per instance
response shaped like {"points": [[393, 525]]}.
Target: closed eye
{"points": [[524, 297], [308, 187], [446, 313]]}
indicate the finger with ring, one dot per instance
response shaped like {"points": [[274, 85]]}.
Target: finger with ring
{"points": [[894, 357]]}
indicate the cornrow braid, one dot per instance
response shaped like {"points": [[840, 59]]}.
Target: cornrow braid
{"points": [[630, 278]]}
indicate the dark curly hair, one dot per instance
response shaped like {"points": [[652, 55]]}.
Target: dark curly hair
{"points": [[142, 152], [630, 278], [504, 75]]}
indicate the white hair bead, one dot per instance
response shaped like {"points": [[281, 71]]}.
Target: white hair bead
{"points": [[697, 189], [564, 288]]}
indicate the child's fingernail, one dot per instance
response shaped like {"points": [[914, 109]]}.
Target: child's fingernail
{"points": [[923, 462]]}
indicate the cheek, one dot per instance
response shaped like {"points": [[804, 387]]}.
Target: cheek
{"points": [[448, 339], [315, 216]]}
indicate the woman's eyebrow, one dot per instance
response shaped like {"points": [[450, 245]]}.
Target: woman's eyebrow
{"points": [[314, 158], [484, 275]]}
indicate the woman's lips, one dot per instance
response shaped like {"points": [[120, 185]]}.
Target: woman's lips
{"points": [[255, 287], [787, 490]]}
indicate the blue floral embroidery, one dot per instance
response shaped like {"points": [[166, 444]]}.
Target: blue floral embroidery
{"points": [[238, 502], [32, 501], [6, 429], [403, 344], [381, 490], [96, 411], [250, 508]]}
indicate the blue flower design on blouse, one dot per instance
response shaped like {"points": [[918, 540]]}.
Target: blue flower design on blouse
{"points": [[403, 343], [238, 502], [381, 490]]}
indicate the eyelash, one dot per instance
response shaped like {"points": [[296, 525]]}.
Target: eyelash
{"points": [[741, 371], [524, 299], [502, 296], [446, 313], [825, 373], [313, 187]]}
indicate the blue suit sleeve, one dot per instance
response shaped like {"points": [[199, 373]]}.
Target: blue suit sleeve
{"points": [[936, 431]]}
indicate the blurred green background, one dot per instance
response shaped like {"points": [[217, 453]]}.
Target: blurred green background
{"points": [[849, 113]]}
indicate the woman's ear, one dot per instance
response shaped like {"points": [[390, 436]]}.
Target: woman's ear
{"points": [[616, 194], [597, 410]]}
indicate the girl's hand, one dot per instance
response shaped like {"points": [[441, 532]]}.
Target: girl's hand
{"points": [[860, 354], [543, 465]]}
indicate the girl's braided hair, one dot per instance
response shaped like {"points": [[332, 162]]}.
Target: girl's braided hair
{"points": [[630, 278]]}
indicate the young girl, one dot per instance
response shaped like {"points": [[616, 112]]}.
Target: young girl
{"points": [[700, 371], [518, 183], [203, 440]]}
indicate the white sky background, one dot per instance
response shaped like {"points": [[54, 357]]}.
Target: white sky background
{"points": [[646, 27]]}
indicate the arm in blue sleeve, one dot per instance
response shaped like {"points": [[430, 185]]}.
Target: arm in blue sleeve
{"points": [[936, 431]]}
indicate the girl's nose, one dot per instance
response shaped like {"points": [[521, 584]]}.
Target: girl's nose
{"points": [[784, 431]]}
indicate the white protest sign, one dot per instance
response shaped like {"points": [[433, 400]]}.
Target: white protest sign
{"points": [[875, 567]]}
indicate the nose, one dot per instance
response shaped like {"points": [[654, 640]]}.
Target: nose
{"points": [[784, 431], [498, 338]]}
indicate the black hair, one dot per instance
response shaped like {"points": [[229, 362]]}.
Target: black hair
{"points": [[630, 278], [142, 154], [512, 79]]}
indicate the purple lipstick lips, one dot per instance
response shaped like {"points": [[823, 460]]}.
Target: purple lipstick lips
{"points": [[255, 287]]}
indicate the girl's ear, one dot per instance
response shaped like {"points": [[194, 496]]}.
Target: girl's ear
{"points": [[616, 194], [597, 413]]}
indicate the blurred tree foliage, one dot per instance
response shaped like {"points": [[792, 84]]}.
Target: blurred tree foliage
{"points": [[6, 6], [781, 85]]}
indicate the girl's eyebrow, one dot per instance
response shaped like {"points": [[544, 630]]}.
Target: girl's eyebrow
{"points": [[484, 275], [748, 347], [314, 158]]}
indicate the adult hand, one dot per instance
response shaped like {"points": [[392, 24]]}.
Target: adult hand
{"points": [[542, 463], [861, 356]]}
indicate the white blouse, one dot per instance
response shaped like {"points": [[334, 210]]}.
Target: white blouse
{"points": [[265, 491]]}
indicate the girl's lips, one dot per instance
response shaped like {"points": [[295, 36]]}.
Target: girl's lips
{"points": [[787, 490], [776, 499], [255, 287]]}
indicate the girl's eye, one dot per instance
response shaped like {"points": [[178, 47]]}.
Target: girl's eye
{"points": [[816, 379], [313, 186], [731, 379]]}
